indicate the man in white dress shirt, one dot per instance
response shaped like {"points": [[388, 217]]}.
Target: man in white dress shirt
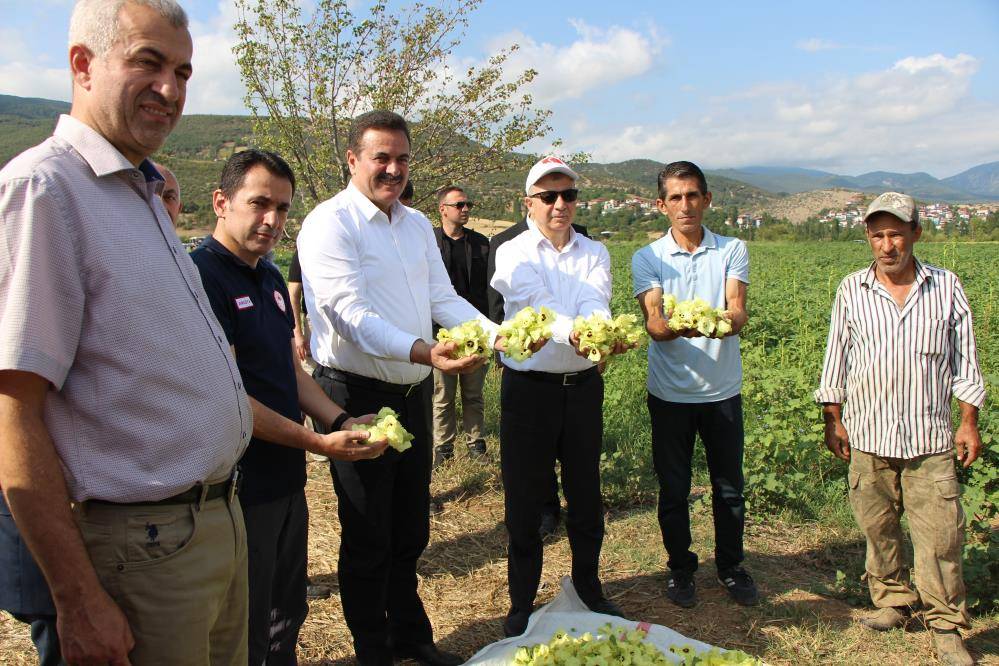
{"points": [[551, 403], [374, 283]]}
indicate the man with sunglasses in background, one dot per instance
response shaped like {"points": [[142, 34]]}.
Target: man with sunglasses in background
{"points": [[465, 253], [551, 403]]}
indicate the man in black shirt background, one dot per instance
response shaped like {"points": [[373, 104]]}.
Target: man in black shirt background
{"points": [[466, 254], [252, 304]]}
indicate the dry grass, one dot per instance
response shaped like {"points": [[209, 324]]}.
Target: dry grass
{"points": [[463, 583]]}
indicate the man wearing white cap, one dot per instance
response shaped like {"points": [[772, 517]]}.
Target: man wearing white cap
{"points": [[551, 403], [901, 344]]}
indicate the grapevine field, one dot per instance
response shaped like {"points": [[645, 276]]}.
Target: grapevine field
{"points": [[802, 546]]}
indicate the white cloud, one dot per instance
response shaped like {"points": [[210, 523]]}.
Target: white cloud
{"points": [[27, 79], [599, 57], [216, 86], [816, 44], [914, 113]]}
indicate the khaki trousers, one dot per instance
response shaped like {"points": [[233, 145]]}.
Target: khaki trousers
{"points": [[926, 489], [178, 572], [473, 406]]}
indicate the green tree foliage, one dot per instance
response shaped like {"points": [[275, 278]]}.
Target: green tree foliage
{"points": [[309, 72]]}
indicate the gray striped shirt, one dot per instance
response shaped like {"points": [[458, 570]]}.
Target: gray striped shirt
{"points": [[896, 369], [99, 297]]}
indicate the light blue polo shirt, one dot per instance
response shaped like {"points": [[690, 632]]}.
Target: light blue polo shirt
{"points": [[693, 369]]}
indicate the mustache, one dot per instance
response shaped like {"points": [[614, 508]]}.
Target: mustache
{"points": [[389, 179], [158, 99]]}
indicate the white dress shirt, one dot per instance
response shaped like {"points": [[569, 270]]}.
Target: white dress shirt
{"points": [[374, 286], [575, 280]]}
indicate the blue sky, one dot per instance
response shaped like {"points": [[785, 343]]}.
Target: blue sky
{"points": [[842, 86]]}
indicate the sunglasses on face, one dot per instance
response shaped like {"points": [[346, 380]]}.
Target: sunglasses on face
{"points": [[548, 197], [461, 204]]}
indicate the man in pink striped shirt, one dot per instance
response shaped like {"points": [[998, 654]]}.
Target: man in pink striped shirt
{"points": [[901, 344]]}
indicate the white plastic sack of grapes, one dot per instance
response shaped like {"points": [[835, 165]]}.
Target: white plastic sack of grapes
{"points": [[555, 627]]}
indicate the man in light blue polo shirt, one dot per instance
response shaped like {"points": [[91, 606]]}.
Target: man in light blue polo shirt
{"points": [[695, 381]]}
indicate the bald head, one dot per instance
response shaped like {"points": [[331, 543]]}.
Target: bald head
{"points": [[171, 192]]}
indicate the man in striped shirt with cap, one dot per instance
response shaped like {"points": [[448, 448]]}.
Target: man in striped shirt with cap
{"points": [[900, 345]]}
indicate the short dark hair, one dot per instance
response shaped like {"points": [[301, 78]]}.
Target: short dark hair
{"points": [[236, 167], [681, 170], [407, 192], [446, 190], [377, 119]]}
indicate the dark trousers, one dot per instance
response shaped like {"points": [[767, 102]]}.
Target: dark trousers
{"points": [[277, 539], [540, 423], [24, 592], [384, 510], [674, 427]]}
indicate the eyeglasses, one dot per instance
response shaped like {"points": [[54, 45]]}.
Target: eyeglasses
{"points": [[461, 204], [549, 197]]}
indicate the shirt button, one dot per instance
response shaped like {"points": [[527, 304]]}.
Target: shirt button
{"points": [[239, 385]]}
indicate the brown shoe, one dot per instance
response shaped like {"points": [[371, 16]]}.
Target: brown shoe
{"points": [[950, 648], [886, 619]]}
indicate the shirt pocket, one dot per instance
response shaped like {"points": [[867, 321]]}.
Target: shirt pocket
{"points": [[930, 335]]}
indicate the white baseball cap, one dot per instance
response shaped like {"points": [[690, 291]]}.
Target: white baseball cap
{"points": [[545, 166]]}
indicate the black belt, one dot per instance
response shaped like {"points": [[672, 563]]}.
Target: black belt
{"points": [[227, 488], [561, 378], [369, 382]]}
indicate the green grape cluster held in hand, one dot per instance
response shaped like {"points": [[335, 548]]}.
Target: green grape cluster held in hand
{"points": [[598, 334], [696, 315], [388, 427], [469, 338], [527, 327]]}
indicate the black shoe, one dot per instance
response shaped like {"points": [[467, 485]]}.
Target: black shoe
{"points": [[427, 654], [318, 591], [605, 606], [680, 589], [549, 525], [516, 622], [477, 452], [740, 586]]}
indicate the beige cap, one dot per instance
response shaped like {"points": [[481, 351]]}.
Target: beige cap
{"points": [[901, 206], [545, 166]]}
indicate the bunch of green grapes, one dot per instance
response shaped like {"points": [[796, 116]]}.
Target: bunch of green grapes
{"points": [[713, 657], [526, 328], [598, 335], [696, 315], [470, 339], [613, 645], [608, 646], [388, 427]]}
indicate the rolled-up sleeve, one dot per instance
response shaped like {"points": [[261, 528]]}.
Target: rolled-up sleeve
{"points": [[596, 292], [332, 266], [968, 385], [42, 295], [832, 385], [518, 281]]}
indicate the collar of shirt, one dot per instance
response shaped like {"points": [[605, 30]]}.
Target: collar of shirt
{"points": [[102, 157], [368, 208], [708, 242], [213, 245], [870, 278], [540, 239]]}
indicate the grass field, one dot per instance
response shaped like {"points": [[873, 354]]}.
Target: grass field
{"points": [[801, 542]]}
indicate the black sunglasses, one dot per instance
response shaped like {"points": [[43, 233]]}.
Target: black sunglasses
{"points": [[461, 204], [548, 197]]}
